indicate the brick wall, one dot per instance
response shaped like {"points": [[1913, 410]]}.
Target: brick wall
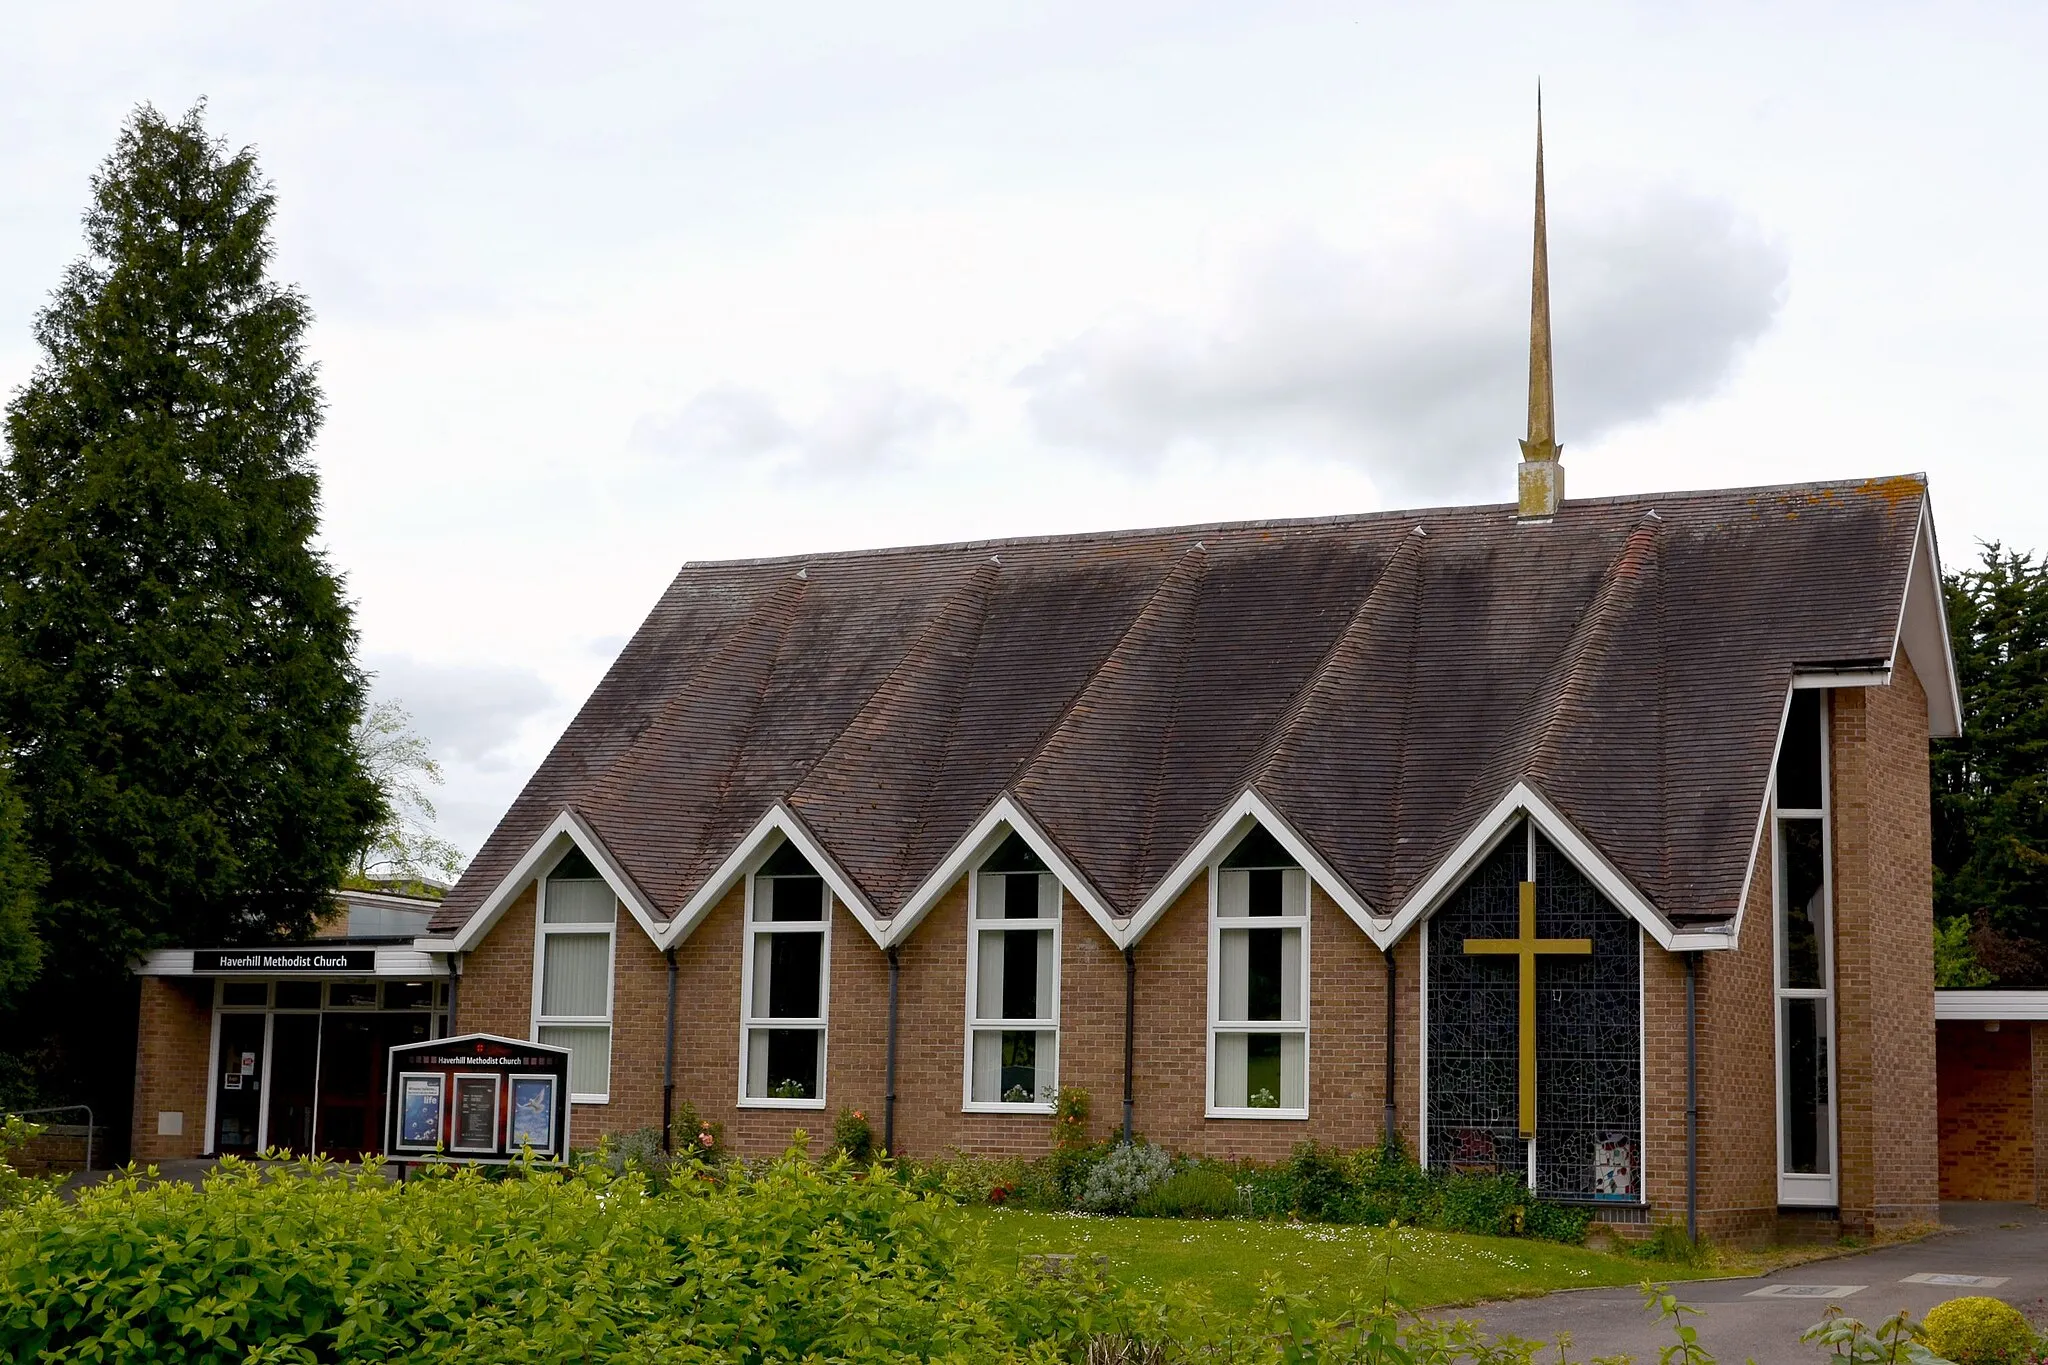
{"points": [[1885, 1036], [497, 976], [173, 1065], [2040, 1050], [1884, 954], [1986, 1111], [1738, 1077], [1346, 1052]]}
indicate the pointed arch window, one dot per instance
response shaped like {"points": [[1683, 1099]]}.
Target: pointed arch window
{"points": [[784, 985], [1258, 978], [1013, 982], [574, 940]]}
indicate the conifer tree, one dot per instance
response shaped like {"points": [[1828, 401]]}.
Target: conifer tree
{"points": [[1991, 785], [176, 672]]}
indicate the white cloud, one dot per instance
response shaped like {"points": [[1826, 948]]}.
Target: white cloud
{"points": [[1408, 357], [860, 425], [472, 715]]}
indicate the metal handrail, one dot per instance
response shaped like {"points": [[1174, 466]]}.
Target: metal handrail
{"points": [[91, 1127]]}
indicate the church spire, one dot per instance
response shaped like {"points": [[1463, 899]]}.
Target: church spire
{"points": [[1540, 481]]}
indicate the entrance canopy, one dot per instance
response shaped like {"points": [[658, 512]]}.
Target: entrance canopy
{"points": [[301, 1034]]}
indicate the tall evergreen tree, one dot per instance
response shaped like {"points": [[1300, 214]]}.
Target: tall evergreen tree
{"points": [[176, 672], [1991, 785]]}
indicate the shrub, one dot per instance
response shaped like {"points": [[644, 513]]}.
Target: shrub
{"points": [[1123, 1176], [1319, 1185], [787, 1261], [854, 1135], [697, 1139], [16, 1188], [1198, 1191], [1979, 1331]]}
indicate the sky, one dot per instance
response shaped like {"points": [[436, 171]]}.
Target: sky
{"points": [[607, 288]]}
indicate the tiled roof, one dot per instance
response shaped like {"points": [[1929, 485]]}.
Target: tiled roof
{"points": [[1379, 680]]}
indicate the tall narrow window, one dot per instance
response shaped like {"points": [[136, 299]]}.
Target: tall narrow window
{"points": [[573, 965], [1804, 967], [784, 989], [1258, 968], [1013, 954]]}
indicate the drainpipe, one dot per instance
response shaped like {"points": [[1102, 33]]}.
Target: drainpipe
{"points": [[454, 991], [1130, 1036], [1692, 1098], [668, 1062], [889, 1071], [1388, 954]]}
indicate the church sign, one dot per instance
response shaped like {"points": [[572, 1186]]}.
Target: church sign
{"points": [[477, 1098], [211, 961]]}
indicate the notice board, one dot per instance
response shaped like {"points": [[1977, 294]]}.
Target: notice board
{"points": [[478, 1097]]}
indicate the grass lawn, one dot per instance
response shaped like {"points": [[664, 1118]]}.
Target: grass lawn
{"points": [[1227, 1258]]}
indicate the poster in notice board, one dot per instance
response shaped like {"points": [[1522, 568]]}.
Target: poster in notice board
{"points": [[476, 1098]]}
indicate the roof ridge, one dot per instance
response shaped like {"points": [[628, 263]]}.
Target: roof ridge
{"points": [[973, 592], [1053, 727], [1280, 740], [1191, 562], [1564, 686], [1879, 484], [775, 612]]}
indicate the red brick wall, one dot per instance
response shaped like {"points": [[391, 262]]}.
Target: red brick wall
{"points": [[1986, 1111], [173, 1065], [1884, 954]]}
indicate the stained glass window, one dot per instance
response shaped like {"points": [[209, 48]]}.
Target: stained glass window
{"points": [[1588, 1031]]}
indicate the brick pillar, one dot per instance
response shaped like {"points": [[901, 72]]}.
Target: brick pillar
{"points": [[173, 1067], [2039, 1035], [1884, 954]]}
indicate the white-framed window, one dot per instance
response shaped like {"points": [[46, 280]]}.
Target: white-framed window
{"points": [[1258, 977], [784, 984], [1013, 983], [575, 933], [1803, 970]]}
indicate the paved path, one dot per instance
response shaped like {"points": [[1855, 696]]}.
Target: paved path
{"points": [[1737, 1322]]}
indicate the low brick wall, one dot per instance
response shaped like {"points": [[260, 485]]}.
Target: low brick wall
{"points": [[60, 1149]]}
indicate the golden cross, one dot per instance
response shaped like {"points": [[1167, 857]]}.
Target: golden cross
{"points": [[1526, 947]]}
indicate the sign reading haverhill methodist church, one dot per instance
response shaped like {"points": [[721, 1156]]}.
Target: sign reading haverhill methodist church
{"points": [[476, 1098], [209, 960]]}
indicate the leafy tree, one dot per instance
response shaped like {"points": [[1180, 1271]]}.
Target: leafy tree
{"points": [[175, 675], [403, 845], [1991, 785]]}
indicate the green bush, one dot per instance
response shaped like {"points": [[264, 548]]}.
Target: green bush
{"points": [[1320, 1185], [16, 1188], [1124, 1175], [854, 1135], [308, 1263], [1979, 1331], [1197, 1191]]}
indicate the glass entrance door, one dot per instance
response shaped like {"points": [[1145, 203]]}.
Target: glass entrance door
{"points": [[353, 1052], [238, 1085], [295, 1043]]}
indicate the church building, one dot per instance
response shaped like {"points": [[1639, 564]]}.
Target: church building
{"points": [[1581, 838]]}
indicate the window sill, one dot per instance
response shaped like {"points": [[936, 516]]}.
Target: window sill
{"points": [[748, 1102], [590, 1099], [1033, 1108], [1289, 1114]]}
